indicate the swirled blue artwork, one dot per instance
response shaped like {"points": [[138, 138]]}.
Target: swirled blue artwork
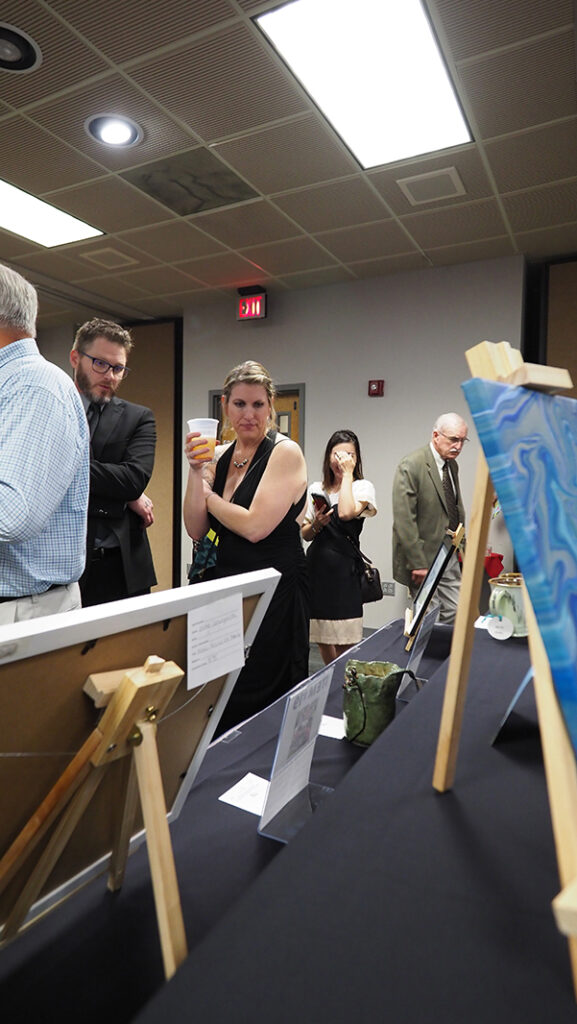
{"points": [[530, 442]]}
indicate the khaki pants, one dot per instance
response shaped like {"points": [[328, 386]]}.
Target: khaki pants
{"points": [[59, 599]]}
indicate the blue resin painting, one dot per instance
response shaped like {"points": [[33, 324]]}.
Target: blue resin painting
{"points": [[530, 442]]}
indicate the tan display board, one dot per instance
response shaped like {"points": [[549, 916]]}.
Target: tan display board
{"points": [[47, 716]]}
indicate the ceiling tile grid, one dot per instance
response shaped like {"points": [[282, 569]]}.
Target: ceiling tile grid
{"points": [[223, 121]]}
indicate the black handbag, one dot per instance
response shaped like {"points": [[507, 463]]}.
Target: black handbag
{"points": [[371, 586]]}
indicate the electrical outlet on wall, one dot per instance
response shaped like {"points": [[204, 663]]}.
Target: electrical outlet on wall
{"points": [[389, 589]]}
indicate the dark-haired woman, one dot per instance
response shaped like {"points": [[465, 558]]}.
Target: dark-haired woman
{"points": [[336, 510]]}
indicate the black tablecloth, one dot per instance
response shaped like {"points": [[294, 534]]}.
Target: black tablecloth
{"points": [[398, 903], [98, 955], [393, 902]]}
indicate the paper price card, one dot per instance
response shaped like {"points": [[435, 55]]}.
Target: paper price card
{"points": [[215, 640]]}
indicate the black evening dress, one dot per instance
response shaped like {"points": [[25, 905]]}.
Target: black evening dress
{"points": [[278, 658]]}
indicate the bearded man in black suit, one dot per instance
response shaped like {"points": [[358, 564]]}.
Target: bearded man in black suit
{"points": [[122, 445]]}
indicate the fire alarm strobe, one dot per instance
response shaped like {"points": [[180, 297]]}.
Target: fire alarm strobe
{"points": [[376, 388]]}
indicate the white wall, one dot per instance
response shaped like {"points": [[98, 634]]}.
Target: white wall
{"points": [[411, 329]]}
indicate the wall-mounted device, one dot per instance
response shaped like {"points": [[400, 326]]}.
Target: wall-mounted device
{"points": [[251, 304]]}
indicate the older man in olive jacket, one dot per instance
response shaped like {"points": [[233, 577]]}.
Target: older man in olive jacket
{"points": [[422, 512]]}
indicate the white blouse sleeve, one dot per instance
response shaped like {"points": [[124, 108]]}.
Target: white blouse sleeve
{"points": [[363, 490]]}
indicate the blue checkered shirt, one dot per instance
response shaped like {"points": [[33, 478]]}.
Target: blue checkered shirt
{"points": [[44, 473]]}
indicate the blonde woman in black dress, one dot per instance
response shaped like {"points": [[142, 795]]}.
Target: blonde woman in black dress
{"points": [[254, 498], [337, 507]]}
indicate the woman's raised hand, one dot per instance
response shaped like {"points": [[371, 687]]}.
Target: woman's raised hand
{"points": [[346, 461], [197, 450]]}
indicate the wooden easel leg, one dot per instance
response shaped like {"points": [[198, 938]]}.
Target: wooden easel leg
{"points": [[58, 841], [162, 869], [561, 774], [125, 826], [463, 633]]}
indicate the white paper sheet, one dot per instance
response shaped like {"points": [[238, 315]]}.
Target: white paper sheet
{"points": [[334, 728], [249, 794], [215, 640]]}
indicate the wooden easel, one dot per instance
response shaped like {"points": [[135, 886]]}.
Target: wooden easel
{"points": [[501, 362], [135, 700]]}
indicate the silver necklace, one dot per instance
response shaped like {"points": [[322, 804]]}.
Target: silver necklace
{"points": [[239, 465]]}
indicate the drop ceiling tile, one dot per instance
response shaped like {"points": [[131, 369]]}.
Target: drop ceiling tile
{"points": [[302, 152], [66, 60], [159, 280], [535, 157], [368, 241], [124, 31], [249, 224], [171, 242], [88, 260], [190, 182], [520, 88], [486, 249], [549, 242], [56, 265], [65, 116], [226, 83], [157, 307], [289, 256], [316, 278], [54, 165], [473, 28], [542, 208], [109, 204], [228, 270], [450, 225], [388, 265], [338, 205], [112, 287], [467, 162], [14, 247]]}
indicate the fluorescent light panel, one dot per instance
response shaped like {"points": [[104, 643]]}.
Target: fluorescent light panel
{"points": [[375, 70], [32, 218]]}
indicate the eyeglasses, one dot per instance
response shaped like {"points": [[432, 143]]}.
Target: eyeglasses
{"points": [[454, 440], [101, 366]]}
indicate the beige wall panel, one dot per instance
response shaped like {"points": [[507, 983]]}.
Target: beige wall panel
{"points": [[562, 319], [151, 383]]}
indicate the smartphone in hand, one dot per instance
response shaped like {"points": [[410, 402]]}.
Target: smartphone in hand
{"points": [[320, 502]]}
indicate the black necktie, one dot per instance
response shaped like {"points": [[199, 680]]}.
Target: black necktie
{"points": [[450, 498], [93, 416]]}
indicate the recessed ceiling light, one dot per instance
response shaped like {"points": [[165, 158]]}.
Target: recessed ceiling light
{"points": [[375, 70], [18, 51], [112, 130], [32, 218]]}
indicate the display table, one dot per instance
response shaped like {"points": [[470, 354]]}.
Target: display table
{"points": [[398, 903], [394, 901]]}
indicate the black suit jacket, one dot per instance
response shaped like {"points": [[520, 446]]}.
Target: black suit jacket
{"points": [[121, 464]]}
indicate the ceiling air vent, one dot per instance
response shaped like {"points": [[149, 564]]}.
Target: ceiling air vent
{"points": [[109, 258], [432, 187]]}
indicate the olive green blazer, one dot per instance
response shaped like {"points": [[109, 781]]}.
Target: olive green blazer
{"points": [[420, 517]]}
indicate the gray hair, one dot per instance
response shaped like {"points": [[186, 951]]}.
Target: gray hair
{"points": [[448, 419], [18, 303]]}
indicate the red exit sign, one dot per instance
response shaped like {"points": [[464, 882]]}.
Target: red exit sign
{"points": [[251, 307]]}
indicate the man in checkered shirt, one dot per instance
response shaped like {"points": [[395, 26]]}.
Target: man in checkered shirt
{"points": [[44, 468]]}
